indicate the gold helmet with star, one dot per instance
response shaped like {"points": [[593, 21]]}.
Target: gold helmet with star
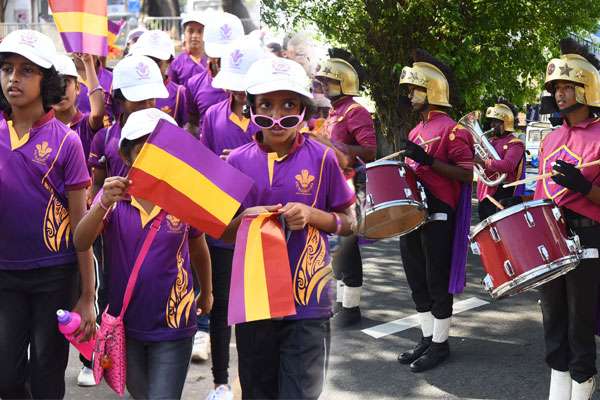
{"points": [[426, 72], [503, 113], [575, 65], [342, 71]]}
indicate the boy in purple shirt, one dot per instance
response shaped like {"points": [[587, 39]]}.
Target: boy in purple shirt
{"points": [[160, 322], [301, 179], [43, 178], [192, 60]]}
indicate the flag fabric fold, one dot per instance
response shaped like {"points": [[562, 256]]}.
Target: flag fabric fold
{"points": [[82, 24], [178, 173], [261, 278]]}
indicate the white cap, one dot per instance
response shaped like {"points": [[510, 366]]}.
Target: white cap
{"points": [[199, 17], [142, 123], [155, 44], [236, 62], [135, 33], [139, 78], [275, 74], [222, 30], [34, 46], [65, 65]]}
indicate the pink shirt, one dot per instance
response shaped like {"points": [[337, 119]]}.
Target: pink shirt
{"points": [[576, 145], [512, 152], [454, 147]]}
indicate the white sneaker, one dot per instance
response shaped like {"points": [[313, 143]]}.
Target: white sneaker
{"points": [[201, 348], [222, 392], [86, 377]]}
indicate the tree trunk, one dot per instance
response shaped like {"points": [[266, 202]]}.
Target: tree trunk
{"points": [[237, 7], [161, 8]]}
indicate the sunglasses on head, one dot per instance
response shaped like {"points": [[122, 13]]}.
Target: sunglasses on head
{"points": [[287, 122]]}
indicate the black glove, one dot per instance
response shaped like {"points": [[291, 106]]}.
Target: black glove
{"points": [[416, 152], [571, 178]]}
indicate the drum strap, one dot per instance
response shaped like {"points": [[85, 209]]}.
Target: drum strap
{"points": [[589, 253]]}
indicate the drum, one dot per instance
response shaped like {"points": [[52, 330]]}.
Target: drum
{"points": [[395, 202], [524, 246]]}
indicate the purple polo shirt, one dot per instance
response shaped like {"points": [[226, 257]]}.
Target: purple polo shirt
{"points": [[203, 94], [36, 173], [162, 307], [81, 125], [176, 104], [83, 101], [309, 174], [104, 151], [183, 67]]}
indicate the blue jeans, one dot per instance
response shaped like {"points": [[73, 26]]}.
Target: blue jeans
{"points": [[157, 370]]}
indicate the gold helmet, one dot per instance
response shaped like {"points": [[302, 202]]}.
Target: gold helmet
{"points": [[575, 68], [431, 78], [504, 114], [341, 70]]}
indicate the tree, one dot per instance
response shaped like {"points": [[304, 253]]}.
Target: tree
{"points": [[495, 47]]}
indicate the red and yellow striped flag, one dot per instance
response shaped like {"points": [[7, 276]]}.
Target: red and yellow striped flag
{"points": [[82, 24]]}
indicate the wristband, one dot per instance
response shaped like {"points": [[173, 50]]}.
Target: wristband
{"points": [[95, 90], [105, 208], [338, 223]]}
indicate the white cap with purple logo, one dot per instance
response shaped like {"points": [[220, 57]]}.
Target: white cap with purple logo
{"points": [[154, 43], [236, 62], [219, 32], [33, 45], [277, 74], [139, 78], [142, 123]]}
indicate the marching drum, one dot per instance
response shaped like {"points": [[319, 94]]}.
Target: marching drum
{"points": [[524, 246], [395, 202]]}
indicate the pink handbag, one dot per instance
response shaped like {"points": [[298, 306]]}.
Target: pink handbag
{"points": [[110, 354]]}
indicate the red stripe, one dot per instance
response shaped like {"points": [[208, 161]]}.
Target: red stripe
{"points": [[162, 194], [277, 270], [97, 7]]}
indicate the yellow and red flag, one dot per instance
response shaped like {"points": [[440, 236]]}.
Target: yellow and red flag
{"points": [[82, 24]]}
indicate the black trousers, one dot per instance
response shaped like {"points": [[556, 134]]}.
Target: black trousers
{"points": [[569, 308], [100, 285], [29, 300], [486, 208], [283, 359], [426, 256], [220, 332]]}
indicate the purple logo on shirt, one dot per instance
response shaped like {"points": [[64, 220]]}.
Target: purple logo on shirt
{"points": [[236, 58], [142, 70], [280, 67], [552, 188], [28, 39], [174, 224], [226, 32], [304, 182]]}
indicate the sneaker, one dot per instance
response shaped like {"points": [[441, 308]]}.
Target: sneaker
{"points": [[86, 377], [346, 317], [201, 348], [222, 392]]}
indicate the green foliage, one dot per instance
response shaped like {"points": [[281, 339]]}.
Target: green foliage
{"points": [[494, 47]]}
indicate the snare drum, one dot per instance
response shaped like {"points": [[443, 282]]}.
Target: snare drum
{"points": [[524, 246], [395, 202]]}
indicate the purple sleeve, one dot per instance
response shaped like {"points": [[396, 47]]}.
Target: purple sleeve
{"points": [[511, 159], [97, 150], [207, 130], [338, 194], [194, 233], [360, 124], [236, 159], [173, 72], [75, 169]]}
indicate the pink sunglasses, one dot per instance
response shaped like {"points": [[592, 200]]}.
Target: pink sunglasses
{"points": [[287, 122]]}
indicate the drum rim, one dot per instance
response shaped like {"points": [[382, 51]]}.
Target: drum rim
{"points": [[362, 232], [500, 292], [387, 204], [378, 163], [506, 213]]}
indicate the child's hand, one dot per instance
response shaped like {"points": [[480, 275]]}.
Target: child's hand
{"points": [[297, 215], [261, 209], [205, 303], [114, 189]]}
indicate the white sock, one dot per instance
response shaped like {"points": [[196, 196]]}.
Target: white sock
{"points": [[584, 390], [339, 293], [560, 385], [426, 321], [441, 329], [351, 297]]}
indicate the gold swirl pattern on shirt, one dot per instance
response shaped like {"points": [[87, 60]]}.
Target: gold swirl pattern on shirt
{"points": [[311, 273], [56, 224], [181, 297]]}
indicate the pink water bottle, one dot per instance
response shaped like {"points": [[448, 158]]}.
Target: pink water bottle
{"points": [[68, 323]]}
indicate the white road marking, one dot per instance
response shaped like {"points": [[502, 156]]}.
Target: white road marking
{"points": [[399, 325]]}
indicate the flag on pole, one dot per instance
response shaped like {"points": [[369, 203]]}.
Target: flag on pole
{"points": [[178, 173], [82, 24], [261, 278], [114, 28]]}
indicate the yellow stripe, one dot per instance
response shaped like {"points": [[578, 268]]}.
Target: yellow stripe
{"points": [[256, 295], [81, 22], [320, 176], [182, 177], [145, 217], [242, 123], [15, 142]]}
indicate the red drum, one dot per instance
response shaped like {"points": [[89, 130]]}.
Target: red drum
{"points": [[524, 246], [395, 202]]}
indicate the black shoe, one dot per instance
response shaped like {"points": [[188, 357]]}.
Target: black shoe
{"points": [[337, 307], [434, 356], [346, 317], [411, 355]]}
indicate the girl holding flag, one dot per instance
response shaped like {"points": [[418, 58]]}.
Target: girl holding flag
{"points": [[300, 179], [43, 177]]}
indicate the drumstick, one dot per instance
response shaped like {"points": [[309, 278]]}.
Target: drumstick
{"points": [[494, 202], [548, 174], [396, 154]]}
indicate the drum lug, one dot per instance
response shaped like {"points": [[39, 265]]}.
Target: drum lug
{"points": [[557, 214], [402, 172], [529, 219], [475, 248], [408, 192], [508, 268], [544, 253], [370, 199], [495, 234], [573, 244], [488, 283]]}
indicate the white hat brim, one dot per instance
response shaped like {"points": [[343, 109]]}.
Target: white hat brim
{"points": [[145, 92], [277, 86], [229, 81], [28, 54], [215, 50]]}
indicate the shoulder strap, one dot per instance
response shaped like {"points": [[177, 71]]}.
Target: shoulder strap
{"points": [[140, 260], [320, 175]]}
